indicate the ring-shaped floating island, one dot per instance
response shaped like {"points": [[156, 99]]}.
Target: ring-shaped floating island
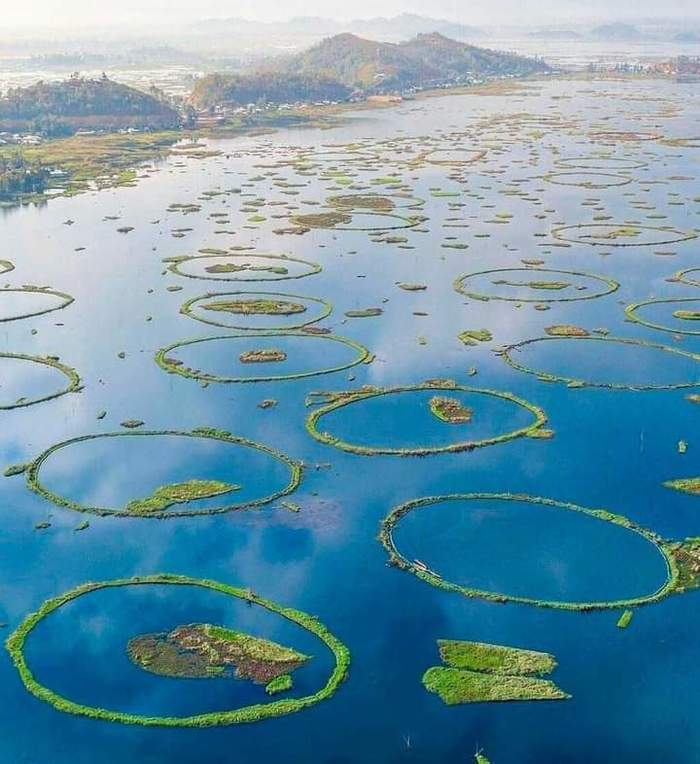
{"points": [[239, 305], [547, 285], [262, 356], [159, 503], [64, 300], [683, 143], [375, 202], [436, 157], [632, 136], [587, 179], [594, 162], [685, 277], [444, 408], [684, 313], [246, 714], [74, 383], [673, 553], [509, 352], [243, 267], [6, 266], [621, 235], [337, 220]]}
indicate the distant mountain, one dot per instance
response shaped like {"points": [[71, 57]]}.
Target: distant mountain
{"points": [[408, 25], [63, 107], [617, 32], [427, 60], [346, 63]]}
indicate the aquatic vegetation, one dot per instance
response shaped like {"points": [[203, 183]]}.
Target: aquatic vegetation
{"points": [[632, 312], [495, 659], [173, 366], [474, 336], [341, 221], [74, 383], [621, 235], [332, 401], [566, 330], [685, 485], [279, 684], [587, 180], [624, 135], [532, 278], [685, 277], [162, 499], [6, 266], [509, 353], [625, 619], [364, 313], [375, 202], [167, 496], [450, 410], [244, 267], [456, 686], [64, 301], [668, 550], [199, 651], [16, 643], [263, 355]]}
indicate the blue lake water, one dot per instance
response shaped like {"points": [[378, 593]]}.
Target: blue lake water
{"points": [[635, 692]]}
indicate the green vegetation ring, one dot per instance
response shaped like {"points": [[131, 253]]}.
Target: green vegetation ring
{"points": [[683, 277], [363, 356], [425, 574], [339, 400], [317, 220], [277, 260], [631, 313], [74, 383], [624, 135], [34, 468], [350, 201], [683, 143], [599, 180], [187, 308], [478, 154], [575, 382], [598, 163], [253, 713], [674, 235], [6, 266], [65, 298], [610, 285]]}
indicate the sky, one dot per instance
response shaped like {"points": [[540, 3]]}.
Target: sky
{"points": [[72, 13]]}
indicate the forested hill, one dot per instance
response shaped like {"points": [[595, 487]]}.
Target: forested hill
{"points": [[344, 64], [78, 102]]}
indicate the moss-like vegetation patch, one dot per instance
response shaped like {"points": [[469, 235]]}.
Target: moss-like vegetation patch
{"points": [[474, 336], [332, 401], [257, 712], [675, 580], [566, 330], [198, 651], [685, 485], [159, 503], [167, 496], [495, 659], [263, 355], [635, 312], [74, 383], [621, 235], [244, 267], [450, 410]]}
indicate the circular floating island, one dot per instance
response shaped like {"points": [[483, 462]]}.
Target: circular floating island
{"points": [[606, 356], [338, 220], [621, 235], [684, 311], [256, 310], [40, 387], [284, 355], [448, 417], [380, 203], [534, 285], [587, 180], [17, 303], [683, 143], [688, 277], [202, 472], [220, 652], [453, 157], [624, 135], [600, 163], [6, 266], [238, 266], [475, 512]]}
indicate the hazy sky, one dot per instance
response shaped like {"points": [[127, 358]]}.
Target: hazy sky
{"points": [[66, 13]]}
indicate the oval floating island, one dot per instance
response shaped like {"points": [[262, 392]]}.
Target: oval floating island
{"points": [[587, 179], [447, 417], [621, 235], [534, 285], [22, 370], [675, 315], [603, 358], [201, 472], [275, 356], [189, 650], [342, 219], [239, 266], [17, 303], [659, 561], [257, 310]]}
